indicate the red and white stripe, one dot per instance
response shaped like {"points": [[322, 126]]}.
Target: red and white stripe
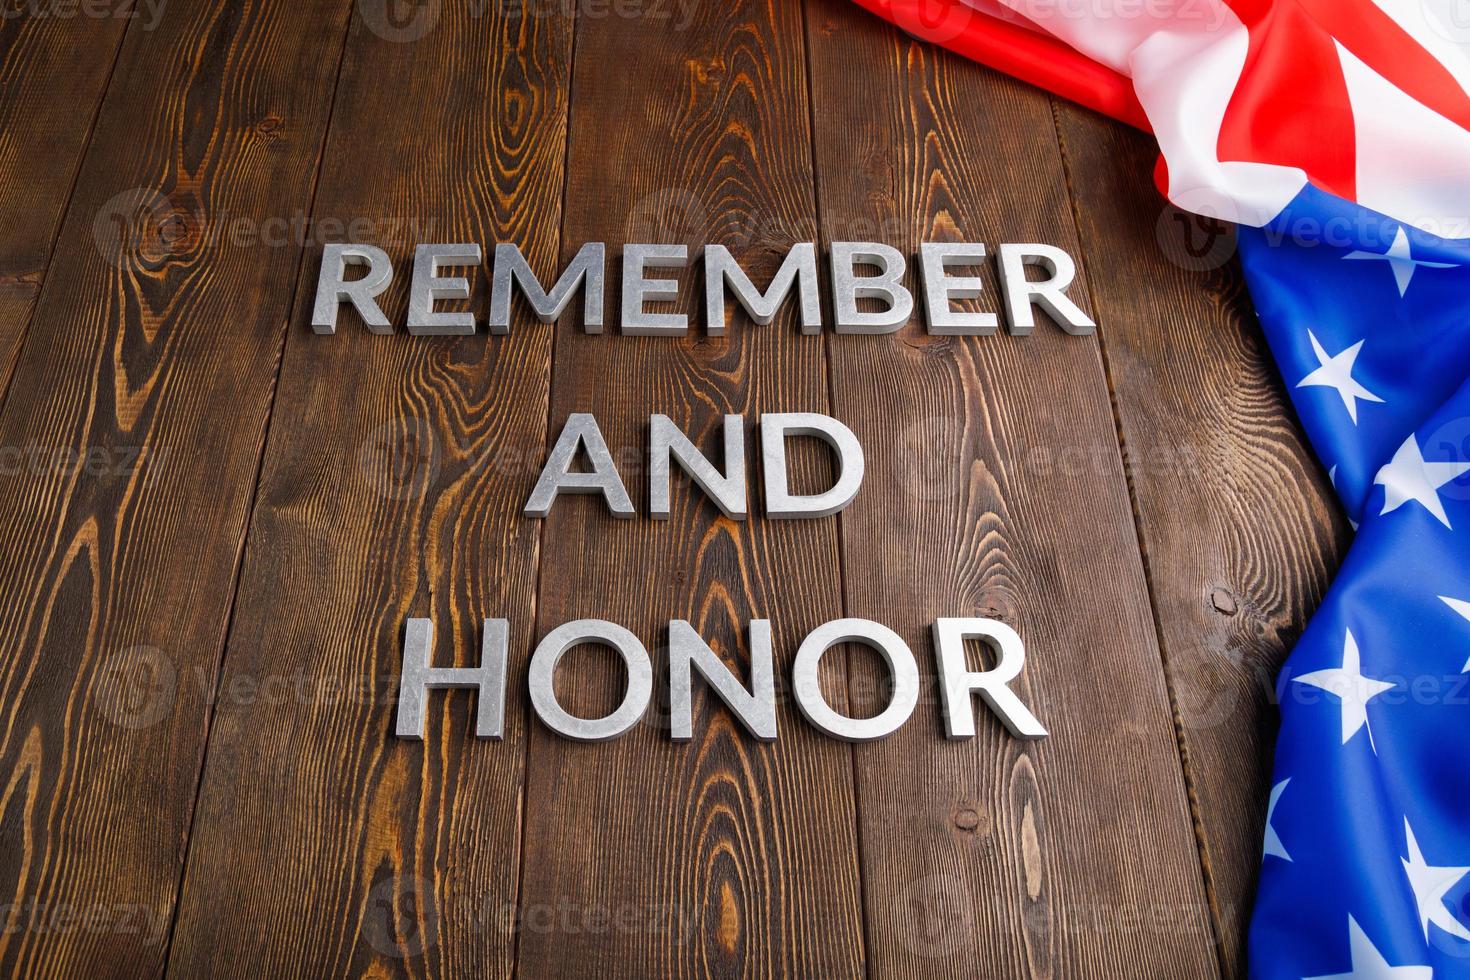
{"points": [[1252, 99]]}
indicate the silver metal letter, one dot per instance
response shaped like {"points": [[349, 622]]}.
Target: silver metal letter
{"points": [[332, 288], [940, 287], [959, 682], [1049, 293], [756, 708], [418, 678], [901, 665], [543, 672], [636, 289], [510, 266], [427, 286], [581, 431], [665, 440], [848, 287], [800, 267], [780, 502]]}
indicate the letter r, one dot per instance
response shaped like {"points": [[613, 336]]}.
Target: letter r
{"points": [[958, 682]]}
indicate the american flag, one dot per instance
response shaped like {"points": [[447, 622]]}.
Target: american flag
{"points": [[1336, 135]]}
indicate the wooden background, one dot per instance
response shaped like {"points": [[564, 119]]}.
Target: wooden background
{"points": [[213, 522]]}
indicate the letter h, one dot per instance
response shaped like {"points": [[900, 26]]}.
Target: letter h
{"points": [[419, 678]]}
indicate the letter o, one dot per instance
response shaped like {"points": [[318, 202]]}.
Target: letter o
{"points": [[901, 665], [543, 670]]}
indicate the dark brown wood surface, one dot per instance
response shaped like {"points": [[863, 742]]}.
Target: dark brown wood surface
{"points": [[219, 521], [46, 117], [352, 851], [977, 509], [143, 384], [746, 855], [1238, 526]]}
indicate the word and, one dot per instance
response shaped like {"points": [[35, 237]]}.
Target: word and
{"points": [[667, 444], [1021, 296]]}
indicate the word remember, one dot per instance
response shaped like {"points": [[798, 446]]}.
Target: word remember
{"points": [[798, 272]]}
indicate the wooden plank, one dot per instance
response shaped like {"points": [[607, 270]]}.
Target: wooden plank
{"points": [[1237, 520], [116, 573], [392, 488], [723, 856], [996, 489], [54, 72]]}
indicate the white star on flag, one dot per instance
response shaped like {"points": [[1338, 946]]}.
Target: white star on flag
{"points": [[1408, 477], [1351, 688], [1336, 372], [1430, 885], [1369, 964], [1463, 608], [1274, 847], [1400, 259]]}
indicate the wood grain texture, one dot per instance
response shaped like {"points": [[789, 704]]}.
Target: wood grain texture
{"points": [[387, 477], [53, 73], [152, 355], [1238, 524], [995, 488], [392, 488], [722, 857]]}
